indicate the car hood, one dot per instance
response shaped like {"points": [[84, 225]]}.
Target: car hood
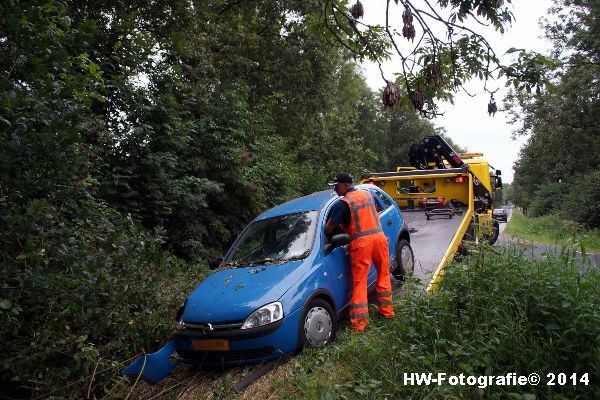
{"points": [[232, 294]]}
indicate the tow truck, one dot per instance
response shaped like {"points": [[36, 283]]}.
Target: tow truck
{"points": [[446, 198]]}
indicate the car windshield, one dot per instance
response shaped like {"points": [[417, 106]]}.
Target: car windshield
{"points": [[284, 238]]}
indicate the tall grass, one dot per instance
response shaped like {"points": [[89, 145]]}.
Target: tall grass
{"points": [[553, 229], [493, 314]]}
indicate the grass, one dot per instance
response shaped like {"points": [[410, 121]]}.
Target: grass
{"points": [[494, 314], [553, 229]]}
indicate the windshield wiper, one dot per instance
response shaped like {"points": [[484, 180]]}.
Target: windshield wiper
{"points": [[242, 263], [299, 257], [265, 260]]}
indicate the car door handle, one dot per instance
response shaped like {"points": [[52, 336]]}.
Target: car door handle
{"points": [[389, 222]]}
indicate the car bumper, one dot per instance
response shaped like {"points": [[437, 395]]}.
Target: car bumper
{"points": [[245, 346]]}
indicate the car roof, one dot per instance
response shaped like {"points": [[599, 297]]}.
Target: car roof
{"points": [[315, 201], [311, 202]]}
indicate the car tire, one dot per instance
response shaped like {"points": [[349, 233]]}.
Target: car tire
{"points": [[495, 233], [318, 325], [405, 261]]}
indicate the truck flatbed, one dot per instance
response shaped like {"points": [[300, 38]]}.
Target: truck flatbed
{"points": [[438, 179], [430, 240]]}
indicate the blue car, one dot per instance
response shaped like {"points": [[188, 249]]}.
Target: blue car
{"points": [[282, 286]]}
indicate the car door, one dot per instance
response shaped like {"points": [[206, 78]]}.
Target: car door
{"points": [[337, 263], [390, 223], [340, 274]]}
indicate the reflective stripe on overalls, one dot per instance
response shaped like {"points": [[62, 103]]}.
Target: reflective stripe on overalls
{"points": [[365, 220], [368, 244]]}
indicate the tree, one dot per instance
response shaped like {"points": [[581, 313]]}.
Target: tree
{"points": [[136, 140], [563, 146], [448, 51]]}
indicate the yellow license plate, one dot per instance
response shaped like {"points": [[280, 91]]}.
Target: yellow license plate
{"points": [[210, 344]]}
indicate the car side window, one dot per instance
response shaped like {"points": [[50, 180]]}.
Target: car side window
{"points": [[377, 201], [382, 200], [337, 230]]}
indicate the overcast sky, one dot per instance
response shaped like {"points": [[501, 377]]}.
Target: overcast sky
{"points": [[466, 121]]}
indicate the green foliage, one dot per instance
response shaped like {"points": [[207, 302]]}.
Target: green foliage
{"points": [[574, 199], [550, 198], [448, 54], [493, 314], [583, 198], [504, 196], [553, 229], [557, 168], [82, 288], [136, 140]]}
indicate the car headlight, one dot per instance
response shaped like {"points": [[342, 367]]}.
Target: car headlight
{"points": [[264, 316]]}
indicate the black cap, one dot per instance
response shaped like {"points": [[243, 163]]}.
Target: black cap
{"points": [[342, 177]]}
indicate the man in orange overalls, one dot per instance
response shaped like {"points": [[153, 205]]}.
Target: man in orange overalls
{"points": [[357, 215]]}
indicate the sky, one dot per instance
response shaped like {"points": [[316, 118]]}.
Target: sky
{"points": [[467, 121]]}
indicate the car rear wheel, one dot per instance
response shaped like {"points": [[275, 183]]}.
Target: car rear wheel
{"points": [[405, 261], [318, 324]]}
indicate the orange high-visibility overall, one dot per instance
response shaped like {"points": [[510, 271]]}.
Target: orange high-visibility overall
{"points": [[368, 244]]}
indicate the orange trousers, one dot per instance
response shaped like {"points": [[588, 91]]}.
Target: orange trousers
{"points": [[362, 251]]}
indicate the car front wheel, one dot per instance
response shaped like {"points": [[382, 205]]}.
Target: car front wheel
{"points": [[405, 261], [318, 324]]}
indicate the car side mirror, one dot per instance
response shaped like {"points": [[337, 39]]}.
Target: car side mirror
{"points": [[214, 264], [340, 240], [498, 182]]}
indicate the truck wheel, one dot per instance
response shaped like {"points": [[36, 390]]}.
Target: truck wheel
{"points": [[405, 261], [318, 325], [495, 233]]}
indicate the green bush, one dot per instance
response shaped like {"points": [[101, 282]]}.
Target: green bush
{"points": [[82, 289], [575, 198], [549, 198], [584, 204]]}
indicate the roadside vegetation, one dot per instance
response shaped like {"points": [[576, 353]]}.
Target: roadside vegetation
{"points": [[554, 230], [493, 314], [138, 138], [496, 312], [558, 171]]}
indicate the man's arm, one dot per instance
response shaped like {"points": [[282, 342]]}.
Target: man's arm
{"points": [[329, 227], [339, 211]]}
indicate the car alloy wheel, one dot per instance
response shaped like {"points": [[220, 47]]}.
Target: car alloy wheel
{"points": [[318, 325]]}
